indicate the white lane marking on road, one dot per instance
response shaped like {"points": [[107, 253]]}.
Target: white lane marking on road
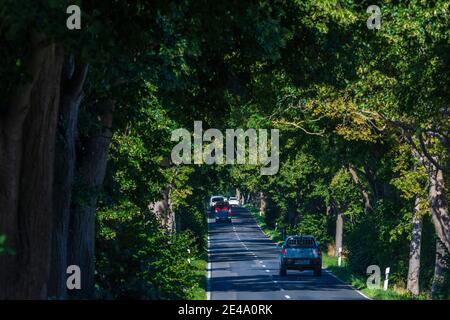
{"points": [[362, 294], [208, 277], [287, 297]]}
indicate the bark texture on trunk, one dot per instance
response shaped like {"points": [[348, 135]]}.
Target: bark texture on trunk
{"points": [[26, 176], [339, 232], [414, 250], [91, 173], [439, 206], [437, 197], [73, 78], [439, 269]]}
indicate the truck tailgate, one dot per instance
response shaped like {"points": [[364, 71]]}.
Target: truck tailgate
{"points": [[301, 253]]}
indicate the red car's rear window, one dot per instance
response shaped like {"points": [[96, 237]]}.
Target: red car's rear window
{"points": [[222, 208]]}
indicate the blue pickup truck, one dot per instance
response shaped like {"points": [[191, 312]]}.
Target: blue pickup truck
{"points": [[300, 253]]}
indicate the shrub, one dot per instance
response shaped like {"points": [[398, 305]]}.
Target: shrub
{"points": [[138, 260]]}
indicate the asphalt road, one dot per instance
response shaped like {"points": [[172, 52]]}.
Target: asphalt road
{"points": [[243, 265]]}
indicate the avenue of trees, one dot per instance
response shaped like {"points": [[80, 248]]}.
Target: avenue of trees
{"points": [[86, 118]]}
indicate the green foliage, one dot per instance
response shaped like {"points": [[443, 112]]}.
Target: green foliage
{"points": [[343, 97], [314, 224], [138, 260]]}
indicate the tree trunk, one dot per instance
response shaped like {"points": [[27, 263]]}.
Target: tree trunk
{"points": [[339, 232], [414, 250], [91, 173], [437, 198], [27, 137], [439, 269], [243, 197], [71, 96], [439, 206], [262, 203], [163, 211]]}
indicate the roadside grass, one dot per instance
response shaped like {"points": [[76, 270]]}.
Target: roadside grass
{"points": [[200, 265], [343, 273], [359, 281]]}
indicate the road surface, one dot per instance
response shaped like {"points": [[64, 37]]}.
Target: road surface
{"points": [[243, 265]]}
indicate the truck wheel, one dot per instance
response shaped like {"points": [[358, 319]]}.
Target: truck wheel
{"points": [[283, 272], [318, 272]]}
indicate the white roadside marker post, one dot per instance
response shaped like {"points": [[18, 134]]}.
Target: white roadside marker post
{"points": [[339, 257], [386, 278]]}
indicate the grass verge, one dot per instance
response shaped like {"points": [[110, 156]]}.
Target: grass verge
{"points": [[359, 282], [199, 291]]}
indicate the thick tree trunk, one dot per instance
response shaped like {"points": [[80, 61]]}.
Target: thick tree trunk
{"points": [[414, 250], [437, 197], [26, 176], [439, 269], [439, 206], [11, 150], [71, 96], [91, 173], [339, 232]]}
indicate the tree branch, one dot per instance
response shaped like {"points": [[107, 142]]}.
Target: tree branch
{"points": [[426, 153]]}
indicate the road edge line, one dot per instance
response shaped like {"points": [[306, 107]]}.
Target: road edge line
{"points": [[349, 285], [325, 269]]}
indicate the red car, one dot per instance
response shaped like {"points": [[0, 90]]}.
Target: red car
{"points": [[222, 211]]}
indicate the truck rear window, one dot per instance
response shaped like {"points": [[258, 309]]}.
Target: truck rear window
{"points": [[301, 243]]}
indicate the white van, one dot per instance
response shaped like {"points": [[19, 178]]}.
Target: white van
{"points": [[214, 199], [233, 201]]}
